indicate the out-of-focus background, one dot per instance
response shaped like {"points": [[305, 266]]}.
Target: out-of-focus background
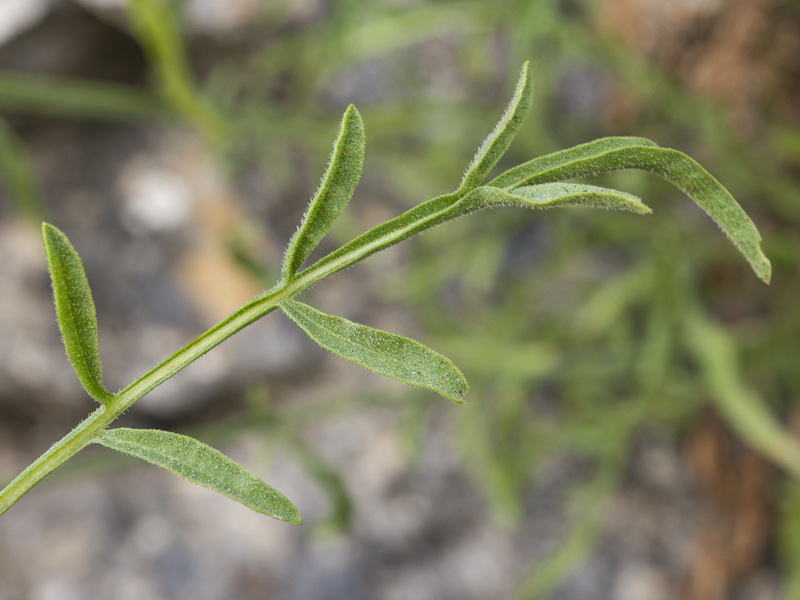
{"points": [[623, 368]]}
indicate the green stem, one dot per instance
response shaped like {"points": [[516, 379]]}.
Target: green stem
{"points": [[388, 234], [67, 447]]}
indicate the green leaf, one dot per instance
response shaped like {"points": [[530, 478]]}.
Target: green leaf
{"points": [[384, 353], [201, 464], [612, 154], [494, 146], [338, 185], [548, 195], [585, 153], [75, 311]]}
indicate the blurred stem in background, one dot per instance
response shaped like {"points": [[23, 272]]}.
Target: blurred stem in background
{"points": [[19, 178], [76, 98], [157, 29]]}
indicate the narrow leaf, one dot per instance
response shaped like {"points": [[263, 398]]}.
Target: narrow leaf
{"points": [[75, 310], [683, 172], [384, 353], [338, 185], [203, 465], [548, 195], [520, 174], [494, 146]]}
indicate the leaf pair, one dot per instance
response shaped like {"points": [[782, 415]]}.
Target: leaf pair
{"points": [[384, 353], [611, 154], [617, 153], [409, 361], [182, 455]]}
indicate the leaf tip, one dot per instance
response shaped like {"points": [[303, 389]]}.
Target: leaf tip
{"points": [[352, 119], [763, 269], [51, 233], [526, 70]]}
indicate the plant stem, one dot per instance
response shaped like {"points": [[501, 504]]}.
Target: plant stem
{"points": [[86, 431], [67, 447]]}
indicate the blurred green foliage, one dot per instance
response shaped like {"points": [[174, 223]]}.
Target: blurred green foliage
{"points": [[575, 332]]}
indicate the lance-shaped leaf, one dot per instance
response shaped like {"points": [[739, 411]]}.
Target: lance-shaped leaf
{"points": [[385, 353], [75, 311], [585, 153], [203, 465], [683, 172], [335, 191], [548, 195], [494, 146]]}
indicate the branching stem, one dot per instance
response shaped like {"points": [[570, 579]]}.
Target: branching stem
{"points": [[85, 433]]}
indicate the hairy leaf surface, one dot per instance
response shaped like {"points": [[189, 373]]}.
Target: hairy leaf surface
{"points": [[549, 195], [201, 464], [612, 154], [384, 353], [519, 175], [496, 144], [75, 311], [338, 185]]}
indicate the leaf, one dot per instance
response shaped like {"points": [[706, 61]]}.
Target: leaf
{"points": [[384, 353], [496, 144], [338, 185], [201, 464], [519, 175], [612, 154], [75, 311], [548, 195]]}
